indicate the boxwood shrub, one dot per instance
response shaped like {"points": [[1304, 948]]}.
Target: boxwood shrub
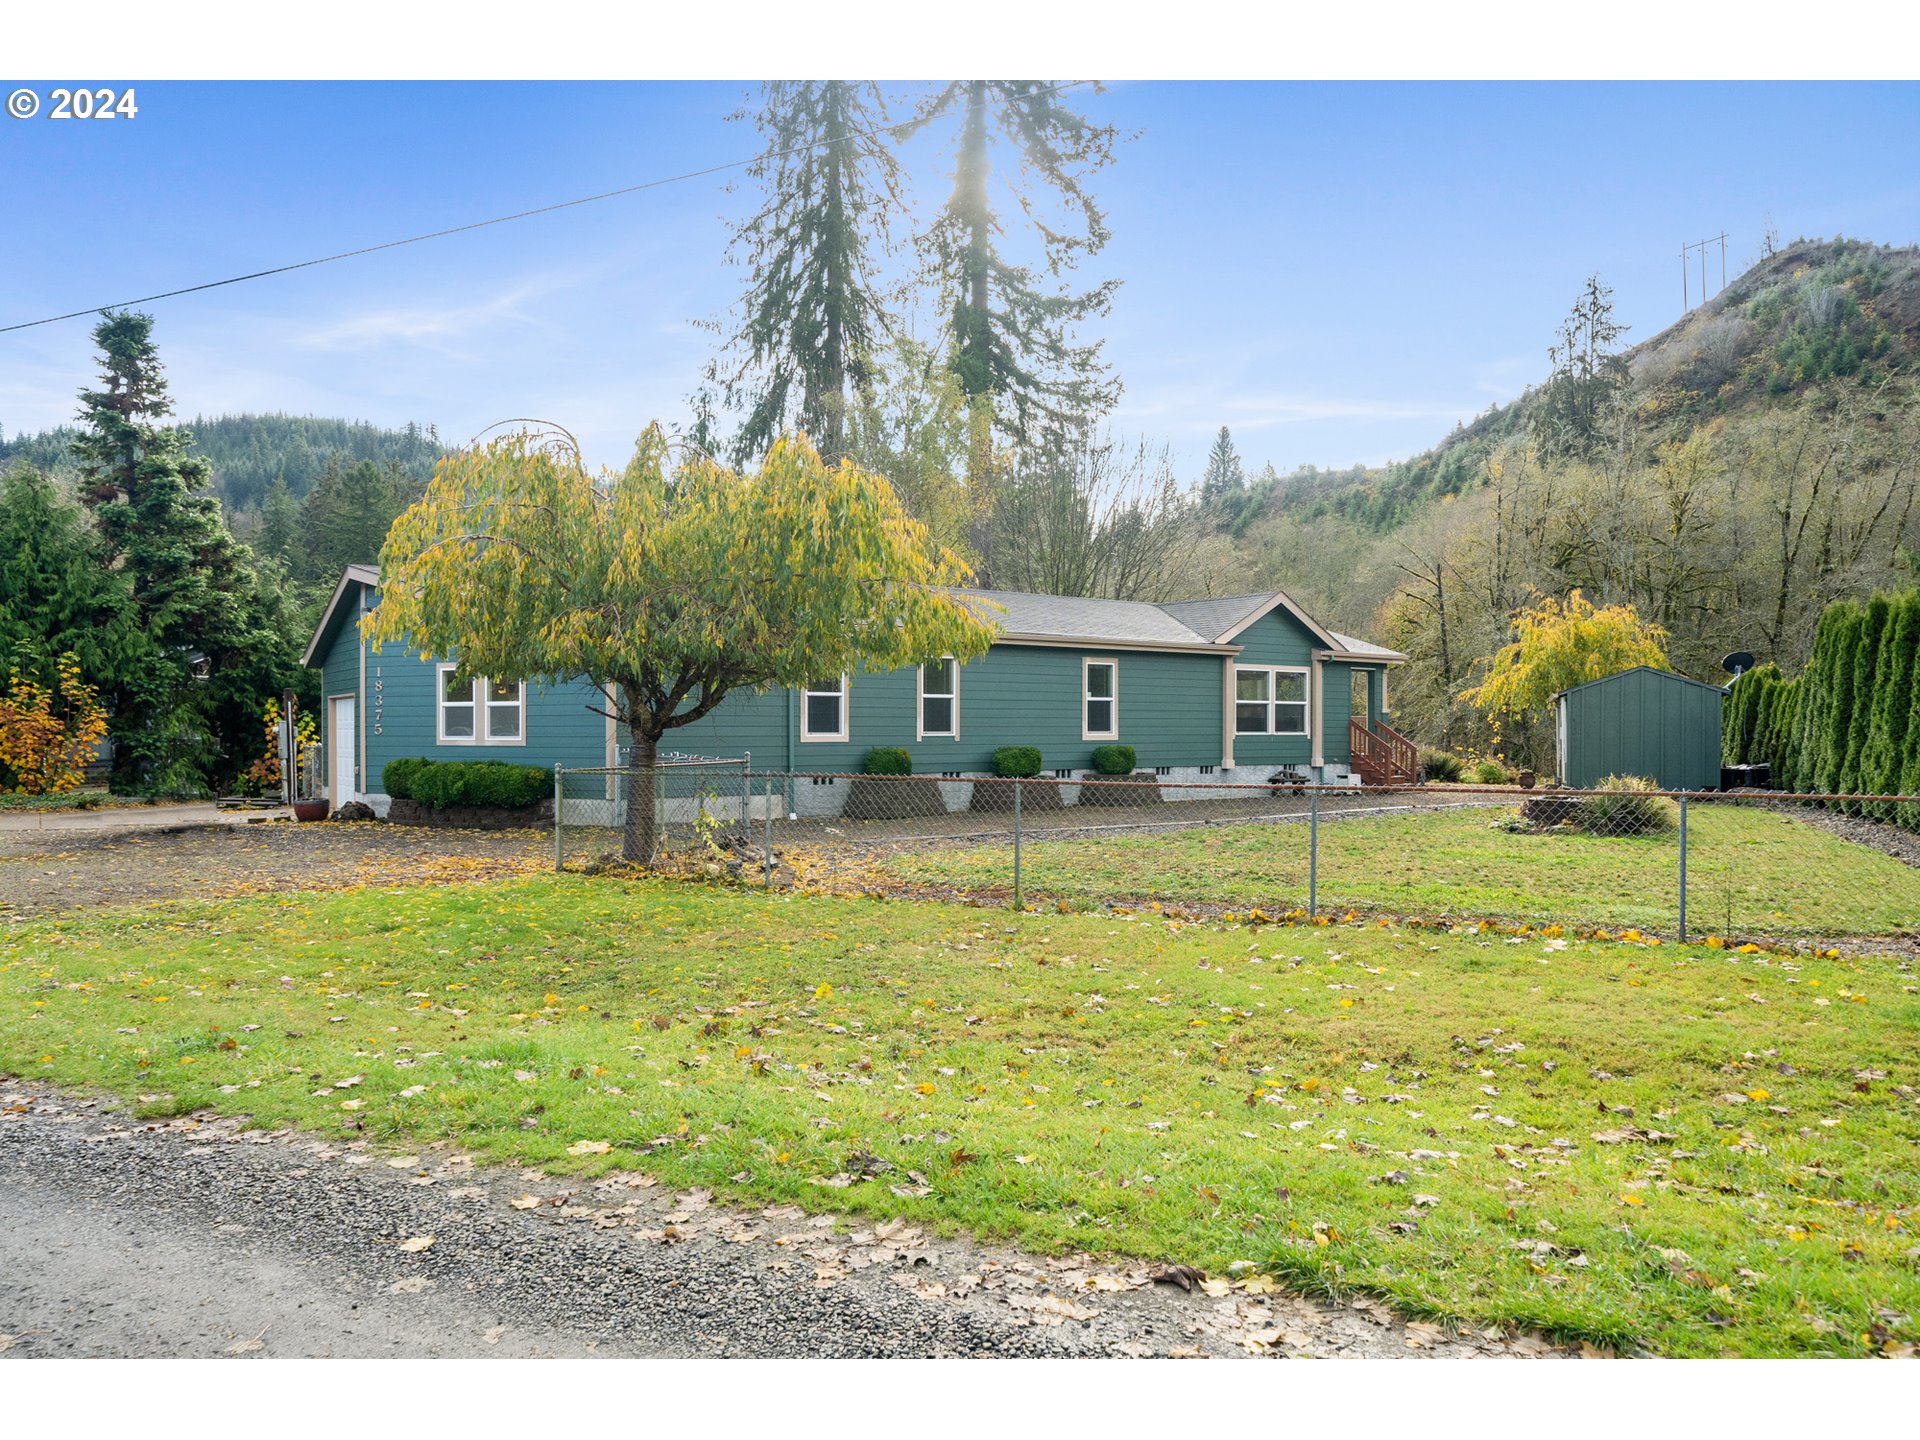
{"points": [[398, 776], [889, 760], [1113, 759], [480, 782], [1017, 762]]}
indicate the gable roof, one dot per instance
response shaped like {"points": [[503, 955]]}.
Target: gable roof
{"points": [[353, 575], [1070, 619], [1205, 626], [1637, 669]]}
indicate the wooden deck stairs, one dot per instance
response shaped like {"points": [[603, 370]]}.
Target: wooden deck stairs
{"points": [[1381, 754]]}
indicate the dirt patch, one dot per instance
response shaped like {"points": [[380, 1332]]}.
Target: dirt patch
{"points": [[46, 872]]}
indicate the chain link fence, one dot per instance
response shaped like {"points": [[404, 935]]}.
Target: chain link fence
{"points": [[1626, 858]]}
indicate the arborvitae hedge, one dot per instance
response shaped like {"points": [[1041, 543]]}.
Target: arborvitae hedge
{"points": [[1849, 723]]}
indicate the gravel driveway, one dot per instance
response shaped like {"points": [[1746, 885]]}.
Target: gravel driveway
{"points": [[199, 1237]]}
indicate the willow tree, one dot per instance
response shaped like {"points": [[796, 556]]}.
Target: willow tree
{"points": [[666, 588], [1013, 340], [1558, 644], [814, 306]]}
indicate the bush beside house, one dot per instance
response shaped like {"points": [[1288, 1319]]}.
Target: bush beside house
{"points": [[471, 794]]}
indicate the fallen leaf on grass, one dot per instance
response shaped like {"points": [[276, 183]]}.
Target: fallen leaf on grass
{"points": [[589, 1147]]}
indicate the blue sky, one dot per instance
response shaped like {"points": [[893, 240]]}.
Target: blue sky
{"points": [[1338, 272]]}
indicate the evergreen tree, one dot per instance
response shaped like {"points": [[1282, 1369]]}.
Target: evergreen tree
{"points": [[55, 595], [1893, 694], [1865, 669], [1813, 712], [1829, 741], [279, 520], [1224, 474], [813, 308], [212, 637], [345, 518], [1012, 335], [1587, 375]]}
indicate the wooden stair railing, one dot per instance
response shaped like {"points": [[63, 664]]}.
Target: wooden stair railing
{"points": [[1381, 754]]}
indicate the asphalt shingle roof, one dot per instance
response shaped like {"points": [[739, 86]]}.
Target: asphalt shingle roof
{"points": [[1066, 617]]}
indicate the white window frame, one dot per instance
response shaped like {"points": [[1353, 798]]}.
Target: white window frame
{"points": [[519, 703], [482, 728], [1087, 662], [921, 696], [1273, 702], [809, 736]]}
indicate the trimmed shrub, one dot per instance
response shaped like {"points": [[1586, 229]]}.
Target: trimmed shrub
{"points": [[482, 783], [398, 776], [889, 760], [1625, 806], [1491, 772], [1016, 762], [1112, 759], [1441, 766]]}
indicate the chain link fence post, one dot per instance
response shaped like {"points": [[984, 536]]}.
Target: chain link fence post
{"points": [[1018, 902], [767, 856], [559, 792], [1683, 870], [1313, 850]]}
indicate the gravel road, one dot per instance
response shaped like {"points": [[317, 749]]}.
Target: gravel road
{"points": [[199, 1237]]}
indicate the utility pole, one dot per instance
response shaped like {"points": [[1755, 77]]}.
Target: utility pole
{"points": [[1686, 302]]}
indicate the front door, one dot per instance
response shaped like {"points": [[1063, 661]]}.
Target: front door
{"points": [[340, 756]]}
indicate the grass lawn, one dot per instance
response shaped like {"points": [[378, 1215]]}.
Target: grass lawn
{"points": [[1766, 873], [1694, 1151]]}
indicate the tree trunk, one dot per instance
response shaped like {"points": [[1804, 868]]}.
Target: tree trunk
{"points": [[640, 840]]}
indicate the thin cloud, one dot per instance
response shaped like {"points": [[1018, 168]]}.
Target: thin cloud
{"points": [[435, 327]]}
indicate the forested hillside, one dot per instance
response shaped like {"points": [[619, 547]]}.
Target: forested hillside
{"points": [[1728, 477], [248, 453]]}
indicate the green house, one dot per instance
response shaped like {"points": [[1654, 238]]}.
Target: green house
{"points": [[1215, 690], [1642, 721]]}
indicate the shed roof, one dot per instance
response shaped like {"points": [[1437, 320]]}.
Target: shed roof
{"points": [[1636, 669], [330, 617]]}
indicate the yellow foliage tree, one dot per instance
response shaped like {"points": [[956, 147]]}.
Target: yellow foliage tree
{"points": [[667, 588], [1559, 644], [48, 732]]}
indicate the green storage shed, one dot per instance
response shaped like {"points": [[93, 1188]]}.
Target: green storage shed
{"points": [[1640, 722]]}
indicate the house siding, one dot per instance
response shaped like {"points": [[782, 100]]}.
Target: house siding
{"points": [[1170, 709]]}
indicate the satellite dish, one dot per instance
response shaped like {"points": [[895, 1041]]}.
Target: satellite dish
{"points": [[1739, 662]]}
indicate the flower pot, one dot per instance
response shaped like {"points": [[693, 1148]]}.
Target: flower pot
{"points": [[1527, 777], [310, 809]]}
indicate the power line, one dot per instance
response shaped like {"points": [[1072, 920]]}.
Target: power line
{"points": [[498, 219]]}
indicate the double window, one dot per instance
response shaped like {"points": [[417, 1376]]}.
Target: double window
{"points": [[823, 710], [1269, 700], [1100, 700], [478, 711], [939, 700]]}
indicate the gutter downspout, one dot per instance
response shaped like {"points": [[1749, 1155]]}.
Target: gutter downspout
{"points": [[1317, 712]]}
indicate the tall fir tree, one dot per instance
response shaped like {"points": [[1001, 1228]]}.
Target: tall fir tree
{"points": [[1224, 475], [1013, 331], [345, 517], [1588, 373], [279, 520], [215, 640], [814, 308], [55, 594]]}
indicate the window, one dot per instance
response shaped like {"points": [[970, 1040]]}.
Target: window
{"points": [[480, 711], [940, 699], [506, 704], [1100, 718], [1269, 700], [823, 711], [456, 708]]}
